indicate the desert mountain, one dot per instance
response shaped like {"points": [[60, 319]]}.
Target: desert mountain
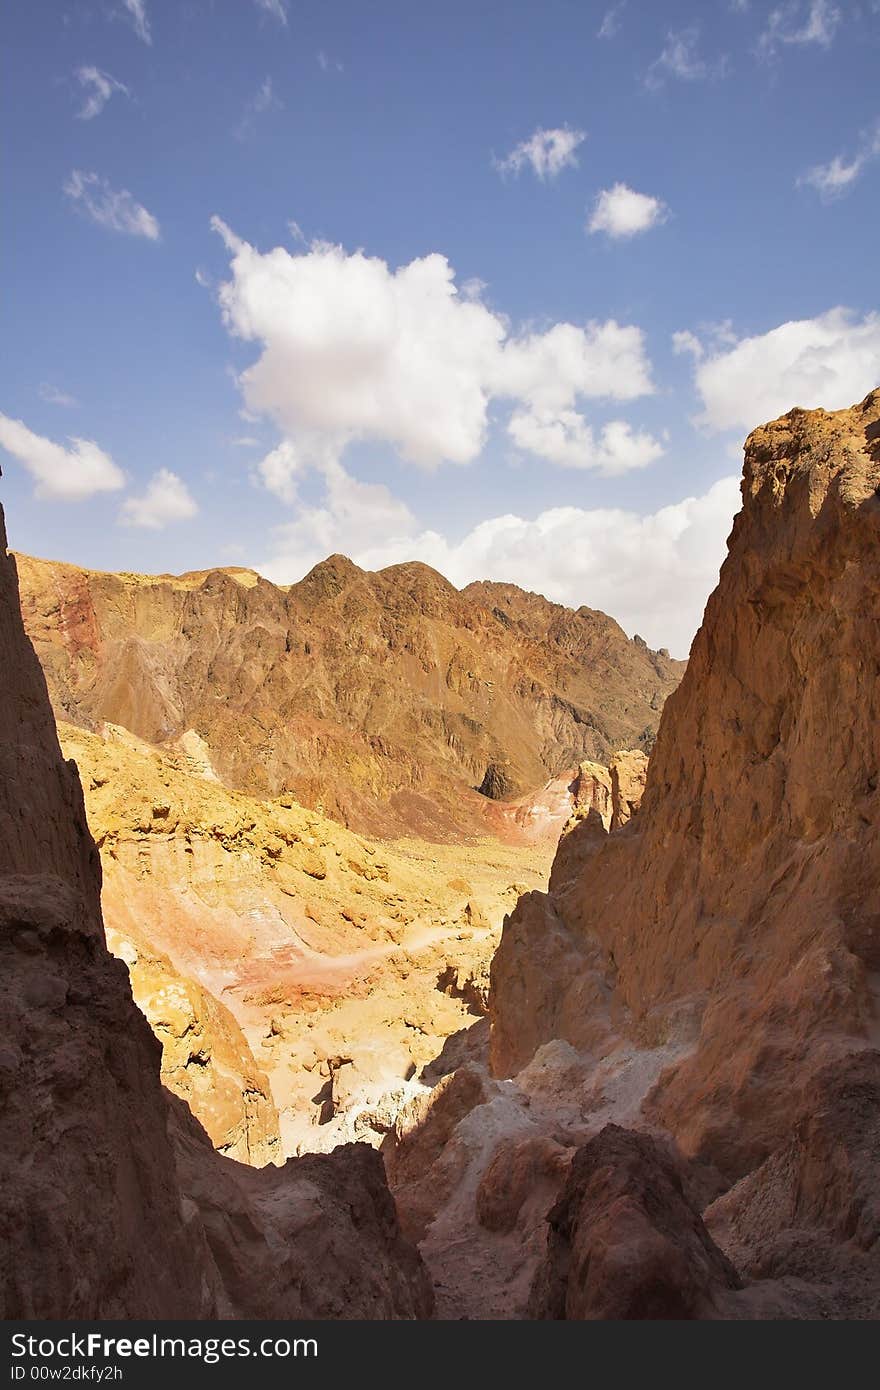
{"points": [[114, 1203], [385, 700], [683, 1028]]}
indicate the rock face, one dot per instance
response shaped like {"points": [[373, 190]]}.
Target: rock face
{"points": [[626, 1242], [112, 1202], [709, 968], [739, 912], [384, 700]]}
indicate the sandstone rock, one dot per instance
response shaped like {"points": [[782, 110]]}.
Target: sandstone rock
{"points": [[734, 919], [112, 1204], [625, 1242], [380, 699], [515, 1173], [628, 770]]}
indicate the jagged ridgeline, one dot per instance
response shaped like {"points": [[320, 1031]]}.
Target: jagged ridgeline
{"points": [[388, 701]]}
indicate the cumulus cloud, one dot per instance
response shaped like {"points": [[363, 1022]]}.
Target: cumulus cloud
{"points": [[99, 88], [166, 499], [350, 349], [684, 341], [137, 13], [546, 152], [680, 58], [276, 8], [652, 573], [829, 361], [566, 439], [61, 474], [109, 207], [798, 23], [835, 178], [54, 396], [621, 212]]}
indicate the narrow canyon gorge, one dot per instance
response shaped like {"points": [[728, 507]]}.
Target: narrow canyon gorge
{"points": [[378, 949]]}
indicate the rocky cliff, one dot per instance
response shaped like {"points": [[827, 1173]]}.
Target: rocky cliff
{"points": [[385, 700], [112, 1201], [713, 962]]}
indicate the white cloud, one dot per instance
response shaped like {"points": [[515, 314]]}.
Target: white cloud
{"points": [[137, 11], [684, 341], [610, 25], [53, 396], [829, 361], [276, 8], [621, 212], [834, 179], [798, 23], [61, 474], [680, 58], [353, 350], [166, 499], [99, 88], [548, 152], [264, 99], [109, 207], [652, 573], [565, 438], [327, 64]]}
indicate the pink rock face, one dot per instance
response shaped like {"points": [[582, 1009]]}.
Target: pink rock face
{"points": [[113, 1203], [739, 911]]}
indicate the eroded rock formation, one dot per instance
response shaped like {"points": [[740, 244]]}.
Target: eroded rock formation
{"points": [[112, 1201], [384, 700], [720, 949]]}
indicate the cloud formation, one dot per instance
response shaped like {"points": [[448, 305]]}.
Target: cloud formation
{"points": [[276, 8], [264, 99], [546, 152], [827, 361], [351, 349], [653, 573], [109, 207], [137, 13], [54, 396], [680, 58], [166, 499], [99, 88], [61, 474], [620, 212], [796, 23], [837, 177], [610, 26]]}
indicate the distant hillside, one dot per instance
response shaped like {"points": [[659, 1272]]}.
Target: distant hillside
{"points": [[386, 700]]}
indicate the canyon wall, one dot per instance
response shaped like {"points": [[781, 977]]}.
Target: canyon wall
{"points": [[736, 918], [387, 701], [112, 1201]]}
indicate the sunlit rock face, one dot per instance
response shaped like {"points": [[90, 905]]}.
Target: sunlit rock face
{"points": [[114, 1203]]}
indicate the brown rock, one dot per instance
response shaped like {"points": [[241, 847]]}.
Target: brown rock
{"points": [[625, 1242], [735, 918], [382, 699], [112, 1205]]}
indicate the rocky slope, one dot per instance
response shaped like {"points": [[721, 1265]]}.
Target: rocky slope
{"points": [[384, 700], [112, 1201], [286, 964], [705, 973]]}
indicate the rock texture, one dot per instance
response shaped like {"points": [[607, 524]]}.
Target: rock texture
{"points": [[709, 968], [740, 909], [112, 1204], [284, 962], [625, 1241], [384, 700]]}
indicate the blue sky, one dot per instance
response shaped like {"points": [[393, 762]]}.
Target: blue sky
{"points": [[498, 286]]}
